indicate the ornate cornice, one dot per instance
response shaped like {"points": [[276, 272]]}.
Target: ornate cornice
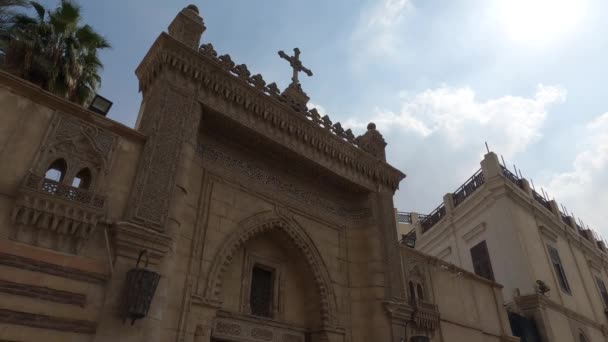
{"points": [[306, 133]]}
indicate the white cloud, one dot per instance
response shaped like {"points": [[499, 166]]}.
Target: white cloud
{"points": [[508, 123], [377, 30], [584, 188]]}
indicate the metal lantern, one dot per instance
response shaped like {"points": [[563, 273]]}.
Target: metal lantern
{"points": [[140, 288]]}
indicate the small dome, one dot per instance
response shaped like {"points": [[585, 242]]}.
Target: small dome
{"points": [[192, 8], [371, 125]]}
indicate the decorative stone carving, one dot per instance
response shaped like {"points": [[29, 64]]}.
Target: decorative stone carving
{"points": [[165, 125], [262, 334], [265, 222], [287, 190], [337, 145], [69, 213], [233, 327], [372, 142]]}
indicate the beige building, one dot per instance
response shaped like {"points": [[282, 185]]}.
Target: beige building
{"points": [[498, 227], [260, 219]]}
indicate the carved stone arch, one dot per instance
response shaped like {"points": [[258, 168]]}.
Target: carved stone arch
{"points": [[80, 144], [266, 222]]}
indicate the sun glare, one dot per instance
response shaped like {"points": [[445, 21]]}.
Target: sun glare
{"points": [[539, 21]]}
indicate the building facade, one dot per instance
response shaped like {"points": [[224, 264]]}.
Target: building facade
{"points": [[554, 271], [230, 213]]}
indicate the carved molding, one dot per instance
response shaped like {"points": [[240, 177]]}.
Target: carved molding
{"points": [[43, 293], [309, 135], [480, 228], [288, 191], [235, 329], [47, 322], [529, 304], [265, 222], [52, 269], [548, 233], [62, 210], [130, 239]]}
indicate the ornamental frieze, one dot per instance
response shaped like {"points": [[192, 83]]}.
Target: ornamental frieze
{"points": [[265, 181]]}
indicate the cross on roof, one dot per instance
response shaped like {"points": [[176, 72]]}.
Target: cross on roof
{"points": [[296, 64]]}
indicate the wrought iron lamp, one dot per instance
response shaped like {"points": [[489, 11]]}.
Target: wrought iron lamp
{"points": [[140, 288], [100, 105]]}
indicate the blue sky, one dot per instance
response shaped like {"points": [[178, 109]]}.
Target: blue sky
{"points": [[438, 77]]}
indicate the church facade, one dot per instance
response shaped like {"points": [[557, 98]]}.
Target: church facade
{"points": [[230, 213]]}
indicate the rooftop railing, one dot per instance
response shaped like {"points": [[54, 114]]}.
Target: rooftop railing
{"points": [[511, 176], [540, 199], [469, 187], [431, 219], [404, 218]]}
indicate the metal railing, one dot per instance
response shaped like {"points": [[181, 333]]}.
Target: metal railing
{"points": [[511, 176], [404, 217], [431, 219], [66, 192], [469, 187], [540, 199]]}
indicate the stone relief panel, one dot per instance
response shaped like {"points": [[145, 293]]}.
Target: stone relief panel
{"points": [[234, 329], [155, 179], [288, 190]]}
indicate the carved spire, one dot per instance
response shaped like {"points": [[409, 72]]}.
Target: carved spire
{"points": [[188, 26], [372, 142]]}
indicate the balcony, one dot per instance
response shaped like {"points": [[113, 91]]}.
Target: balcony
{"points": [[61, 209]]}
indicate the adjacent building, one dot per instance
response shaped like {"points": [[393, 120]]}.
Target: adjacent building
{"points": [[554, 270]]}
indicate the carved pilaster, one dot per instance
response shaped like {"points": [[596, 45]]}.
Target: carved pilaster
{"points": [[164, 120]]}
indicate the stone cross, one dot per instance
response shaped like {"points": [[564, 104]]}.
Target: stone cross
{"points": [[296, 64]]}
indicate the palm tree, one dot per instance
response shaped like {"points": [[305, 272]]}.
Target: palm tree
{"points": [[54, 50]]}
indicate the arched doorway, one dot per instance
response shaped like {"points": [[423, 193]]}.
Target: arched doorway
{"points": [[269, 279]]}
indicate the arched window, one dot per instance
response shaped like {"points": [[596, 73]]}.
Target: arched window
{"points": [[412, 293], [82, 179], [56, 171], [420, 292]]}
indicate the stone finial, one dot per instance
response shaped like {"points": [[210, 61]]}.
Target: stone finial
{"points": [[372, 142], [188, 26]]}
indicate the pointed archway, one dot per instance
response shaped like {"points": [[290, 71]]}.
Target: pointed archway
{"points": [[267, 222]]}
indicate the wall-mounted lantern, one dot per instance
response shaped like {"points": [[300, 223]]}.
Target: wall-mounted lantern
{"points": [[140, 288]]}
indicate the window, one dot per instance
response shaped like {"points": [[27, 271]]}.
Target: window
{"points": [[582, 338], [262, 280], [559, 270], [82, 179], [56, 170], [419, 291], [481, 261], [602, 287], [412, 293]]}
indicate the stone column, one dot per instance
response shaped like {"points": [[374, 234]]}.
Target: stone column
{"points": [[448, 203]]}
